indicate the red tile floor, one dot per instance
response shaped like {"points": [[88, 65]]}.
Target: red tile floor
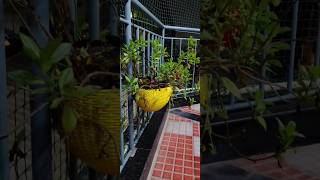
{"points": [[177, 154]]}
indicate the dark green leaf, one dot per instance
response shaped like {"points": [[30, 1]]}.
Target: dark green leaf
{"points": [[30, 48], [60, 53], [231, 87], [69, 119], [262, 122]]}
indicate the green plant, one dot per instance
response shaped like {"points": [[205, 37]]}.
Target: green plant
{"points": [[238, 47], [55, 78]]}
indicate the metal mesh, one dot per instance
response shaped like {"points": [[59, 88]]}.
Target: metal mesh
{"points": [[183, 13]]}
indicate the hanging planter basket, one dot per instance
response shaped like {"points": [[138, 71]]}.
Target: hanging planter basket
{"points": [[151, 100], [95, 140]]}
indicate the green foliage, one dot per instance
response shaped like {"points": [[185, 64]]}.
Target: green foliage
{"points": [[287, 134], [55, 79]]}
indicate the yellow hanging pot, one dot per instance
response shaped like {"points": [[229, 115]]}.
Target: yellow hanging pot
{"points": [[151, 100]]}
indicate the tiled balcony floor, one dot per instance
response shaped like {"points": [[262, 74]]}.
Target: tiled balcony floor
{"points": [[177, 155]]}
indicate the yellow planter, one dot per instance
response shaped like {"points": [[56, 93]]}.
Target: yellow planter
{"points": [[151, 100], [95, 140]]}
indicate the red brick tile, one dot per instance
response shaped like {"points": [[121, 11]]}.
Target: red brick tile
{"points": [[160, 159], [187, 171], [162, 153], [181, 140], [166, 175], [188, 146], [163, 148], [156, 173], [178, 169], [188, 141], [177, 176], [165, 143], [172, 144], [170, 154], [174, 135], [158, 166], [179, 156], [196, 178], [196, 172], [188, 157], [189, 137], [196, 165], [165, 138], [173, 139], [173, 149], [187, 177], [168, 167], [180, 145], [178, 162], [188, 164], [169, 161], [196, 158], [180, 150], [188, 151]]}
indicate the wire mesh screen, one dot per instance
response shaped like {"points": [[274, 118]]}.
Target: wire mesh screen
{"points": [[20, 134], [183, 13]]}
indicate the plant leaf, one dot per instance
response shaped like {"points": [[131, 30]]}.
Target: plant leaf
{"points": [[56, 102], [66, 78], [231, 87], [262, 122], [21, 77], [69, 119], [60, 53], [30, 48]]}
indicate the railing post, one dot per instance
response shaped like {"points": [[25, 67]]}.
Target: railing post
{"points": [[94, 19], [317, 57], [293, 44], [113, 23], [40, 123], [128, 38], [163, 36], [4, 124]]}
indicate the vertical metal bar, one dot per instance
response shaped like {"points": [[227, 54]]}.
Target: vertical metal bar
{"points": [[194, 67], [94, 19], [293, 43], [171, 47], [144, 56], [137, 33], [180, 45], [73, 11], [128, 32], [4, 123], [148, 54], [40, 123], [317, 57], [163, 36]]}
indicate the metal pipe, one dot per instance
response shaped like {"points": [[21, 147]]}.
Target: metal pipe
{"points": [[163, 36], [40, 123], [266, 116], [248, 104], [94, 19], [171, 48], [4, 123], [177, 28], [144, 56], [128, 38], [317, 57], [147, 12], [293, 43]]}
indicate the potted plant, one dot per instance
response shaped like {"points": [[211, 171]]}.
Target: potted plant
{"points": [[81, 107], [153, 92]]}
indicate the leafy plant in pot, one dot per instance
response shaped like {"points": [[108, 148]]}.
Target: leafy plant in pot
{"points": [[154, 91], [86, 115], [239, 47]]}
